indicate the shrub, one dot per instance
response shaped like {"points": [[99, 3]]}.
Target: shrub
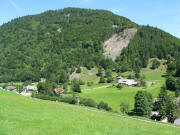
{"points": [[89, 83], [76, 86], [88, 102], [70, 100], [103, 105], [102, 79], [78, 70], [155, 64], [124, 107], [81, 82], [46, 97], [119, 86]]}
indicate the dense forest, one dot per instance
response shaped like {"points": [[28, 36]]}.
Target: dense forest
{"points": [[52, 44], [149, 42]]}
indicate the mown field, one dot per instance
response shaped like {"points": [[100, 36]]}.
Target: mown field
{"points": [[113, 96], [26, 116]]}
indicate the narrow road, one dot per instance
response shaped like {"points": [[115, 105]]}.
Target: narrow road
{"points": [[96, 88]]}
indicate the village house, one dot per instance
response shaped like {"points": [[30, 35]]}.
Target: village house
{"points": [[11, 88], [27, 90], [127, 82], [58, 91]]}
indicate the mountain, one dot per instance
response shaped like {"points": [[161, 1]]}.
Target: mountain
{"points": [[52, 44]]}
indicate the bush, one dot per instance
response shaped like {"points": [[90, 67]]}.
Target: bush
{"points": [[124, 107], [109, 79], [103, 105], [171, 83], [88, 102], [81, 82], [155, 64], [89, 83], [130, 76], [76, 86], [119, 86], [70, 100], [102, 79], [78, 70], [46, 97]]}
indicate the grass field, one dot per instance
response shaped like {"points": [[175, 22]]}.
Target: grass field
{"points": [[25, 116], [114, 96]]}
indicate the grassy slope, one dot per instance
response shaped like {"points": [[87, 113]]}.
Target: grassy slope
{"points": [[114, 97], [26, 116]]}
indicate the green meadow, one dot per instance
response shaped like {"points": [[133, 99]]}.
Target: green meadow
{"points": [[26, 116], [114, 96]]}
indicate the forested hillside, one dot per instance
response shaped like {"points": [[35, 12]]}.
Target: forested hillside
{"points": [[149, 42], [55, 42]]}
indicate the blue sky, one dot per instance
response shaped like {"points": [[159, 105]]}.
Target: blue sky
{"points": [[164, 14]]}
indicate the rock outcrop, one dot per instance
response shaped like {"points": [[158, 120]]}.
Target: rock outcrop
{"points": [[114, 45]]}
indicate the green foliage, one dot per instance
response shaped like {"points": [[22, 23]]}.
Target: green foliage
{"points": [[137, 73], [81, 82], [89, 83], [46, 97], [52, 44], [171, 83], [147, 43], [76, 86], [46, 88], [119, 86], [102, 79], [78, 70], [142, 81], [70, 100], [99, 71], [143, 103], [124, 108], [103, 105], [166, 105], [155, 64], [108, 74], [88, 102]]}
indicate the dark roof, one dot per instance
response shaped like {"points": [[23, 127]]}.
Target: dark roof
{"points": [[10, 87]]}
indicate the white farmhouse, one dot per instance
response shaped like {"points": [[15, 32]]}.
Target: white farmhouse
{"points": [[128, 82], [28, 90]]}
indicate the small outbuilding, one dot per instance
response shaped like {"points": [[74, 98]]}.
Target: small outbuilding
{"points": [[11, 88]]}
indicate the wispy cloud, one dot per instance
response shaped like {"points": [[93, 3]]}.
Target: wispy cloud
{"points": [[117, 10], [15, 5]]}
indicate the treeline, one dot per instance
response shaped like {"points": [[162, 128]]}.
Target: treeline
{"points": [[74, 99], [54, 43], [173, 76]]}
